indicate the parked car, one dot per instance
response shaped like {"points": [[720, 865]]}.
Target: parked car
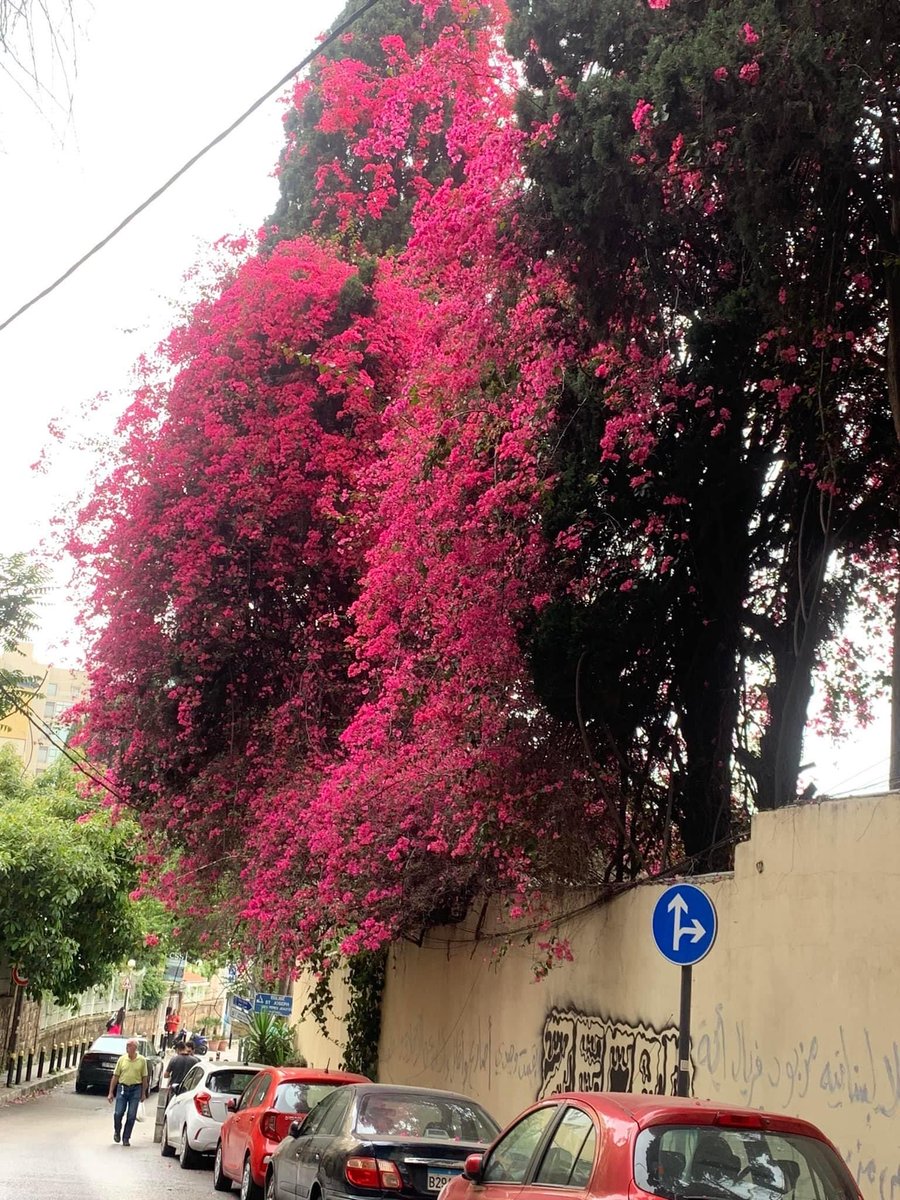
{"points": [[382, 1139], [99, 1061], [604, 1144], [273, 1100], [197, 1109]]}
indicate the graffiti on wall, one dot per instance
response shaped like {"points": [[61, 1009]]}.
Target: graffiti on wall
{"points": [[585, 1052]]}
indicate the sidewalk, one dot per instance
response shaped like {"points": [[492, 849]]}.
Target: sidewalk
{"points": [[23, 1091]]}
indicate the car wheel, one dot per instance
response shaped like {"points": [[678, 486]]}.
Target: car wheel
{"points": [[249, 1189], [165, 1149], [80, 1087], [271, 1194], [221, 1182], [187, 1155]]}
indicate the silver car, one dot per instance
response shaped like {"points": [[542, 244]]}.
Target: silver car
{"points": [[197, 1109]]}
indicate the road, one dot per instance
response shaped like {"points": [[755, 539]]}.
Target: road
{"points": [[59, 1146]]}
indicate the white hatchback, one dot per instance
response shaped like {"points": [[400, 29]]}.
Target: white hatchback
{"points": [[195, 1113]]}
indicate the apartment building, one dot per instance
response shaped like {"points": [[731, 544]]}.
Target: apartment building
{"points": [[50, 692]]}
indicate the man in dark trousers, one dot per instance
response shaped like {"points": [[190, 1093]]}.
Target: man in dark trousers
{"points": [[128, 1087], [179, 1065]]}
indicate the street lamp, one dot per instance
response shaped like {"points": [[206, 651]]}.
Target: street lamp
{"points": [[131, 964]]}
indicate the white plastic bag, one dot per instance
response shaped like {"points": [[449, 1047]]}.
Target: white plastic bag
{"points": [[141, 1112]]}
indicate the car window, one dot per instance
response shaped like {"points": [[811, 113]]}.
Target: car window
{"points": [[316, 1120], [193, 1077], [255, 1092], [569, 1157], [508, 1162], [424, 1115], [233, 1081], [294, 1096], [335, 1113], [716, 1162]]}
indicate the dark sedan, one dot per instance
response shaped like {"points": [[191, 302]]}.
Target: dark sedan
{"points": [[378, 1139], [99, 1061]]}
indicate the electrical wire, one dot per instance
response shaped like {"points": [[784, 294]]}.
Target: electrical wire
{"points": [[80, 764], [335, 33]]}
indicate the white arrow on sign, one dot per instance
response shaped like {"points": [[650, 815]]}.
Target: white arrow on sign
{"points": [[679, 906]]}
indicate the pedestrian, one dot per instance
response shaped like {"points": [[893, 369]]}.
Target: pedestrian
{"points": [[171, 1026], [114, 1024], [179, 1066], [128, 1087]]}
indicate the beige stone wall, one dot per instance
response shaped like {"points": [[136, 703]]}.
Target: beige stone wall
{"points": [[795, 1008], [325, 1050]]}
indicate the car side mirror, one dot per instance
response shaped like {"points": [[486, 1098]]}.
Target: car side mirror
{"points": [[231, 1104], [294, 1128], [472, 1169]]}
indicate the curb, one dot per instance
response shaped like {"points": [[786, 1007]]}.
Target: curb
{"points": [[11, 1095]]}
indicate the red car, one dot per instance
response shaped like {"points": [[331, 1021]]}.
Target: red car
{"points": [[262, 1117], [624, 1147]]}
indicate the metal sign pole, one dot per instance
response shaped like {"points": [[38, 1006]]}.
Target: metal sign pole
{"points": [[684, 1034]]}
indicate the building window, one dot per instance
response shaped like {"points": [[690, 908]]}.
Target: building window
{"points": [[49, 709], [51, 689], [42, 754]]}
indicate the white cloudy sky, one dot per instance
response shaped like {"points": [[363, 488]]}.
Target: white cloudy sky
{"points": [[154, 83]]}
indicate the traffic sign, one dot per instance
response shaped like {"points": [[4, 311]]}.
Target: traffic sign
{"points": [[239, 1004], [278, 1006], [19, 978], [684, 924]]}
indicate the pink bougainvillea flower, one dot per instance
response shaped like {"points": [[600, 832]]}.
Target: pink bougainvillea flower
{"points": [[720, 74], [749, 73], [751, 37]]}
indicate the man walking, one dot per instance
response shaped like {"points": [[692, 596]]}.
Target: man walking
{"points": [[179, 1065], [128, 1087]]}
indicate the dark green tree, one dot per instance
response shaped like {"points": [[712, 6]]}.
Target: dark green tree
{"points": [[723, 180], [66, 871]]}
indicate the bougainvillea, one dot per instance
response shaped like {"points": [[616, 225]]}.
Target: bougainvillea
{"points": [[470, 538]]}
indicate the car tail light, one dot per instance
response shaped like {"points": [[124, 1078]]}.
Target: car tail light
{"points": [[90, 1058], [372, 1173], [269, 1125], [201, 1103], [741, 1120]]}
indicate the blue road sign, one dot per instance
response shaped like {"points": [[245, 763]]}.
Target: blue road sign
{"points": [[242, 1006], [684, 924], [278, 1006], [231, 972]]}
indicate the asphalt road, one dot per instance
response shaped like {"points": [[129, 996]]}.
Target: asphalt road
{"points": [[59, 1146]]}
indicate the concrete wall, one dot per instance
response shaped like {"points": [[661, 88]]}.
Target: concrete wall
{"points": [[795, 1009]]}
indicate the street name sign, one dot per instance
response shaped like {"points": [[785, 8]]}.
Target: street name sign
{"points": [[278, 1006], [239, 1004], [684, 924]]}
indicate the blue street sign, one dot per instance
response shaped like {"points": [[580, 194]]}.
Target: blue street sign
{"points": [[231, 972], [684, 924], [240, 1005], [278, 1006]]}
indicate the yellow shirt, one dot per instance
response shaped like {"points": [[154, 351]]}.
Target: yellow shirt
{"points": [[131, 1070]]}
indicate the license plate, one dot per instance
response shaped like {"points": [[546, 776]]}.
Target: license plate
{"points": [[435, 1180]]}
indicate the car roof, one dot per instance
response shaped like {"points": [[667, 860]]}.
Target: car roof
{"points": [[226, 1064], [684, 1110], [391, 1089], [315, 1075]]}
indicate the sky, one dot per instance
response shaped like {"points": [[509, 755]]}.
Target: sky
{"points": [[149, 85]]}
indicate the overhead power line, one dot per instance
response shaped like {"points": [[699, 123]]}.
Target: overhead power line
{"points": [[335, 33], [80, 764]]}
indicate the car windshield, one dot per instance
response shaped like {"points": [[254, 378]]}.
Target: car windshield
{"points": [[703, 1162], [294, 1096], [432, 1118], [111, 1045], [229, 1081]]}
